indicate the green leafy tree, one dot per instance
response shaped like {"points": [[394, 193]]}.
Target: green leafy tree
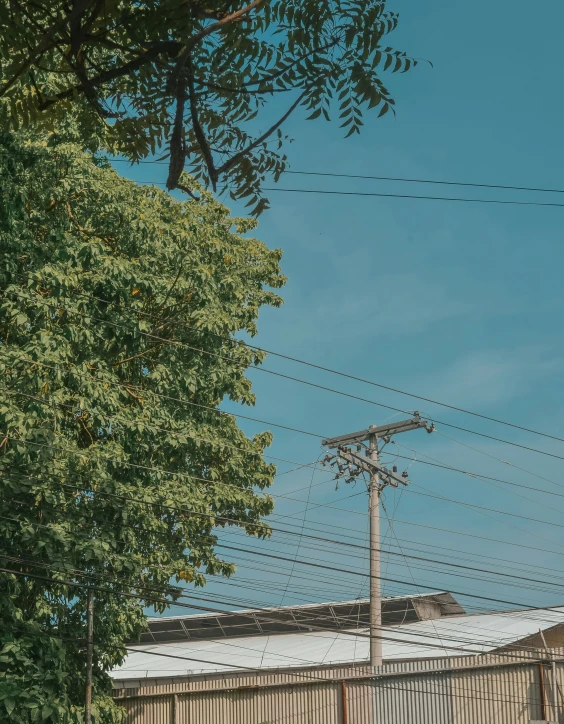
{"points": [[116, 311], [189, 76]]}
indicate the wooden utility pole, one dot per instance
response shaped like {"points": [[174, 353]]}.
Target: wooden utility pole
{"points": [[375, 582], [89, 653], [379, 478]]}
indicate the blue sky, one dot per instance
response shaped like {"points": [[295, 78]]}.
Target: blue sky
{"points": [[458, 302]]}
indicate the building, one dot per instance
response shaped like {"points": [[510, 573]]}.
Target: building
{"points": [[309, 664]]}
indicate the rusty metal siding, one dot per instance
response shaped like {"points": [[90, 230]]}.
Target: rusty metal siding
{"points": [[490, 689], [314, 705]]}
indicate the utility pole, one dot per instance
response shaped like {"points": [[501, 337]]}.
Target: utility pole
{"points": [[374, 535], [89, 653], [351, 464], [554, 677]]}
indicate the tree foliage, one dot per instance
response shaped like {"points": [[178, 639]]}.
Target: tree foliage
{"points": [[116, 468], [189, 76]]}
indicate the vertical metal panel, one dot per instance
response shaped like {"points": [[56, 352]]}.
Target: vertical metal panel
{"points": [[361, 702], [560, 693], [418, 700], [158, 710]]}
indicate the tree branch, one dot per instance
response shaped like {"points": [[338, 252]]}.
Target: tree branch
{"points": [[198, 130], [232, 161], [112, 73], [188, 191], [208, 30], [177, 146], [303, 56], [140, 354], [88, 89], [180, 266], [243, 89], [237, 15]]}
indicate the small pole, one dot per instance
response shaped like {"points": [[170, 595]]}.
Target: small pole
{"points": [[375, 587], [89, 652], [554, 679], [542, 692], [344, 702], [554, 691]]}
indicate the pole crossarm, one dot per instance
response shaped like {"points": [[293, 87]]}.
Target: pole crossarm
{"points": [[370, 466], [380, 431]]}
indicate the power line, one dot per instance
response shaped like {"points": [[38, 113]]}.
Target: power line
{"points": [[402, 179], [100, 589], [411, 394], [98, 576], [385, 552], [500, 460], [298, 380], [382, 178], [143, 182], [171, 398], [482, 507], [311, 577], [323, 368], [163, 505], [471, 535], [301, 534], [391, 580], [73, 487], [117, 461], [388, 553], [358, 546], [488, 481], [417, 181], [333, 541], [407, 586], [234, 521], [351, 572], [412, 196], [313, 466], [479, 476], [264, 619], [218, 442], [216, 482], [238, 582]]}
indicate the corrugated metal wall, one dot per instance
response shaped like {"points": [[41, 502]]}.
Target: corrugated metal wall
{"points": [[284, 704], [500, 689]]}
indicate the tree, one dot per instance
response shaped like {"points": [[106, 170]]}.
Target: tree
{"points": [[117, 308], [187, 77]]}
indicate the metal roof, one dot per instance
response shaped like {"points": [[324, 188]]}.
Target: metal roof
{"points": [[451, 636], [331, 616]]}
